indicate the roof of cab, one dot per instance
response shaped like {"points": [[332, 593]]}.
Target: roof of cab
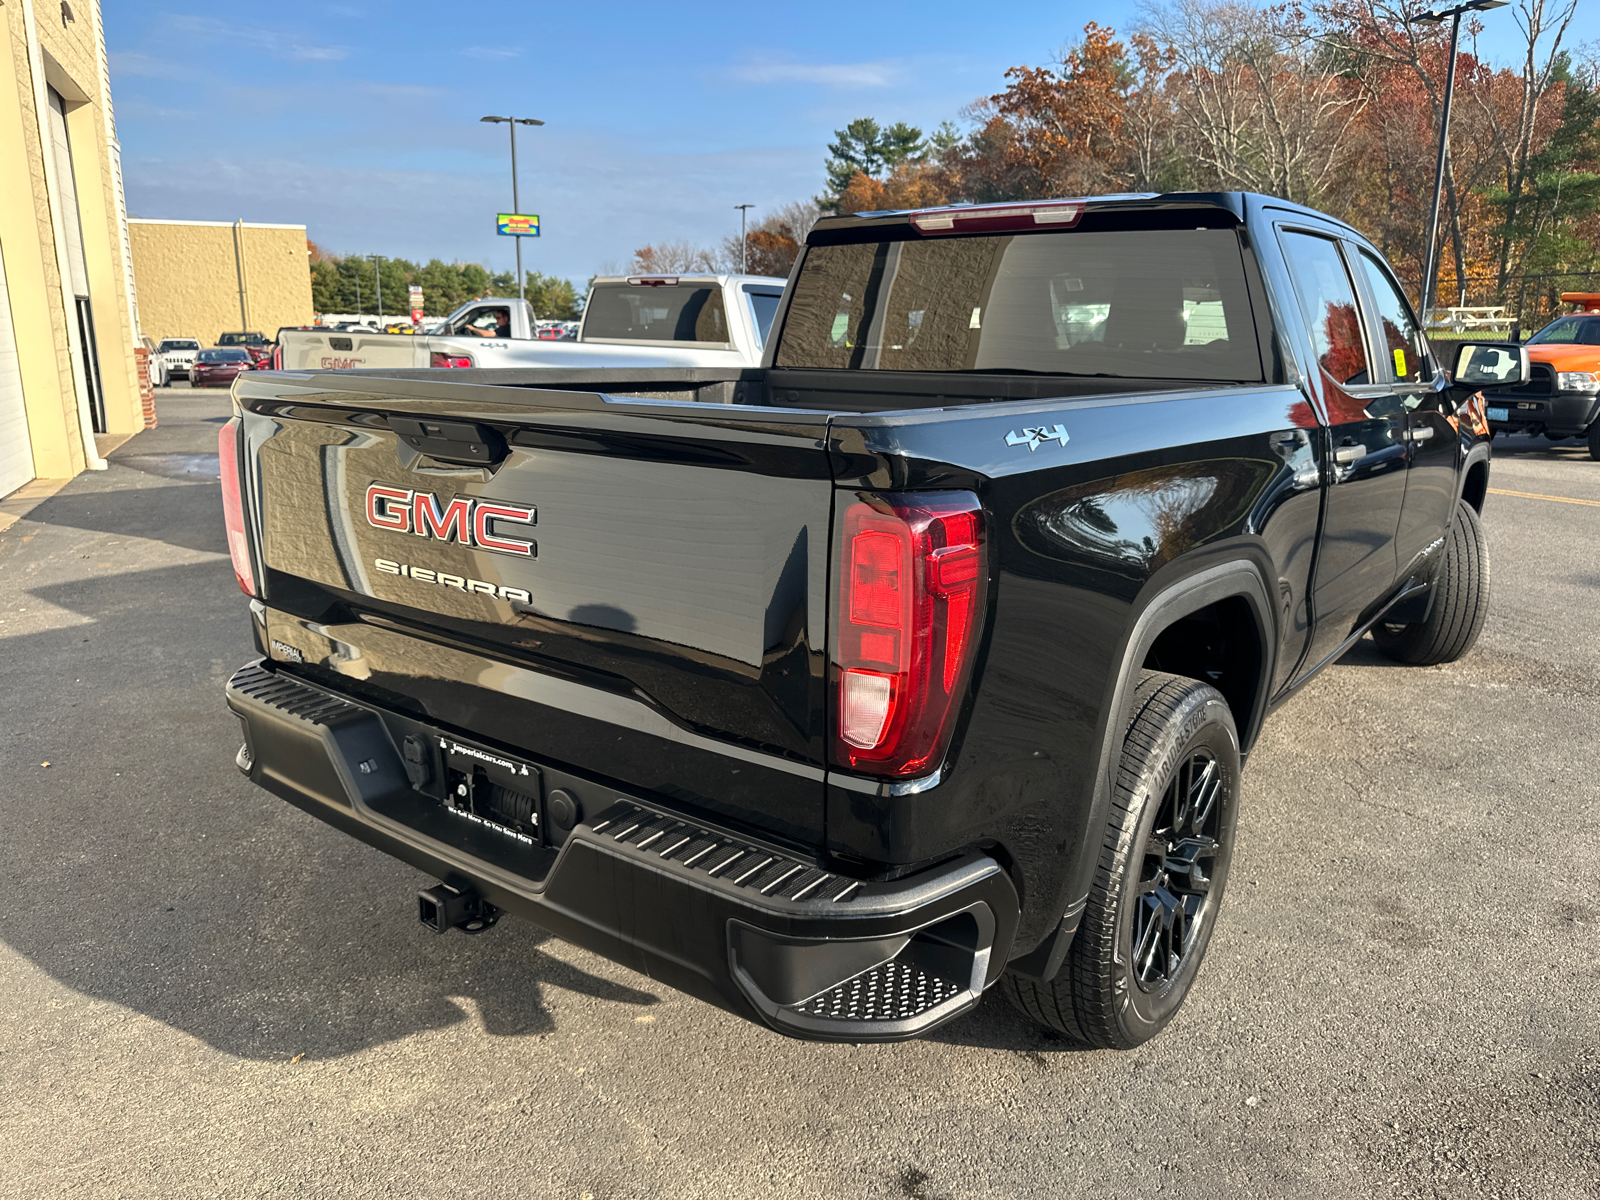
{"points": [[1235, 203]]}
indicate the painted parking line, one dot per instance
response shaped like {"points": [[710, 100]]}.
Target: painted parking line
{"points": [[1537, 496]]}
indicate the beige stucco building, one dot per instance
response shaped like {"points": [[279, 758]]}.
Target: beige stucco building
{"points": [[201, 278], [68, 317]]}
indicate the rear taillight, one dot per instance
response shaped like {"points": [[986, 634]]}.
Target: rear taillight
{"points": [[439, 359], [912, 586], [233, 507]]}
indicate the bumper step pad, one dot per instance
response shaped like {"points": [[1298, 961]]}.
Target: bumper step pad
{"points": [[891, 991]]}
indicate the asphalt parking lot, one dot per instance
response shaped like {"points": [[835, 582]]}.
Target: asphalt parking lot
{"points": [[208, 993]]}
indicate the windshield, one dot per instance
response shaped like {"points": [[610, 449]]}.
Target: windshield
{"points": [[672, 313], [1147, 304], [177, 344], [222, 356], [241, 339], [1569, 331]]}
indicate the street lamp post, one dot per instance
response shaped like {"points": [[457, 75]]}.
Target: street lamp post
{"points": [[743, 245], [377, 269], [1436, 16], [516, 205]]}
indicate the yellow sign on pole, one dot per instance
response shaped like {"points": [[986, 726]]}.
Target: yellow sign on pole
{"points": [[518, 224]]}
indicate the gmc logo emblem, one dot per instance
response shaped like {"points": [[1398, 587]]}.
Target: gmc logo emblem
{"points": [[464, 520]]}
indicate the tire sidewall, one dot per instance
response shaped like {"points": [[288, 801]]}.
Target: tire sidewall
{"points": [[1206, 723]]}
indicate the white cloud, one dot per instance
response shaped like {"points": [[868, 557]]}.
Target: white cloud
{"points": [[401, 93], [493, 53], [149, 66], [831, 75], [278, 43]]}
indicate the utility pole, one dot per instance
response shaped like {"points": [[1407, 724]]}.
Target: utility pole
{"points": [[516, 204], [744, 246], [1436, 16]]}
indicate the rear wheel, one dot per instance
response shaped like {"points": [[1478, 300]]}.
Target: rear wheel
{"points": [[1163, 865], [1459, 604]]}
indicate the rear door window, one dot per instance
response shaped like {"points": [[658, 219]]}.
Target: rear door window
{"points": [[1328, 300], [763, 308]]}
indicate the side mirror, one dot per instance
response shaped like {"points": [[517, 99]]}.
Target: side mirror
{"points": [[1491, 364]]}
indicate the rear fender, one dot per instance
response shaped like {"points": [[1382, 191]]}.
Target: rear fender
{"points": [[1167, 600]]}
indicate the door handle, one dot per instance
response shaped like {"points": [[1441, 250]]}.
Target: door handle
{"points": [[1349, 454], [1421, 433]]}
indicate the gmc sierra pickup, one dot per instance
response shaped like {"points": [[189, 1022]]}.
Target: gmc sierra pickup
{"points": [[923, 658], [652, 321]]}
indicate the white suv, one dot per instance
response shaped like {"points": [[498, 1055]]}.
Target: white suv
{"points": [[177, 355]]}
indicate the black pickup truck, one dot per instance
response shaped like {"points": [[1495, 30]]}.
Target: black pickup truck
{"points": [[921, 659]]}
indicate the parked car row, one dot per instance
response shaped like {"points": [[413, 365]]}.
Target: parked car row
{"points": [[182, 358]]}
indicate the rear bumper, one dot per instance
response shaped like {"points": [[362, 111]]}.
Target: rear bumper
{"points": [[1566, 413], [759, 929]]}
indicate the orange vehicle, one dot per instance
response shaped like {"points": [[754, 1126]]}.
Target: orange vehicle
{"points": [[1562, 399]]}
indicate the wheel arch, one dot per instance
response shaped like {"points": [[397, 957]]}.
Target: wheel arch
{"points": [[1475, 477], [1236, 588]]}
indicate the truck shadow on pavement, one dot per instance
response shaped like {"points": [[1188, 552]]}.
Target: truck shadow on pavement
{"points": [[146, 872], [139, 512]]}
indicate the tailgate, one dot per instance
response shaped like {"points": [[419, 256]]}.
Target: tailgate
{"points": [[636, 589], [309, 350]]}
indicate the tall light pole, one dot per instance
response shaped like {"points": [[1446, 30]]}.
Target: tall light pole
{"points": [[743, 245], [516, 205], [377, 267], [1436, 16]]}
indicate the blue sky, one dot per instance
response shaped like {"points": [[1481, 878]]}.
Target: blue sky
{"points": [[361, 121]]}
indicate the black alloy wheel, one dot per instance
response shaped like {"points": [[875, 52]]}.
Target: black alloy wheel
{"points": [[1180, 855], [1164, 856]]}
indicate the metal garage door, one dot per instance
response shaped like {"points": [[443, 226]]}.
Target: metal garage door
{"points": [[16, 452]]}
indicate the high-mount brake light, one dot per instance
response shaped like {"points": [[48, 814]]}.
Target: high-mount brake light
{"points": [[989, 218], [233, 507], [652, 281], [912, 588], [440, 359]]}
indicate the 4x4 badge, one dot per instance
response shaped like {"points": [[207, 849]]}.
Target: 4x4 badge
{"points": [[1032, 437]]}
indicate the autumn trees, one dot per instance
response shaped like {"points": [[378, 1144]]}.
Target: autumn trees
{"points": [[771, 245], [1330, 103]]}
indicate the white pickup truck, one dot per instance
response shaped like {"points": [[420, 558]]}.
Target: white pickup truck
{"points": [[629, 321]]}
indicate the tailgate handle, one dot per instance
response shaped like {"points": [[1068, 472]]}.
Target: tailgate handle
{"points": [[451, 441]]}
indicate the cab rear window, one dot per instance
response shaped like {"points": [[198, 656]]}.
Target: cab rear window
{"points": [[668, 313], [1148, 304]]}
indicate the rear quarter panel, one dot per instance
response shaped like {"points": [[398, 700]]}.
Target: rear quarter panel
{"points": [[1146, 491]]}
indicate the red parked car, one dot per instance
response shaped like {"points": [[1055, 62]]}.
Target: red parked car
{"points": [[255, 344], [218, 368]]}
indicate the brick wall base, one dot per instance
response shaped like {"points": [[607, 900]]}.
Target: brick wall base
{"points": [[147, 391]]}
